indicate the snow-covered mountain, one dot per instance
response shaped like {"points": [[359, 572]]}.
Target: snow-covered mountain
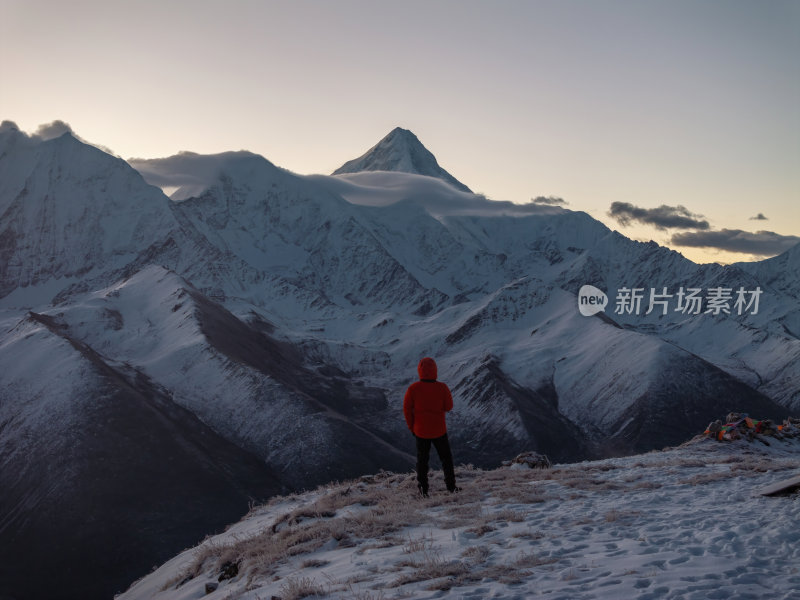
{"points": [[70, 211], [283, 317], [781, 272], [94, 454], [400, 151]]}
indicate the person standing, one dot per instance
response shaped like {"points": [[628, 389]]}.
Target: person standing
{"points": [[425, 403]]}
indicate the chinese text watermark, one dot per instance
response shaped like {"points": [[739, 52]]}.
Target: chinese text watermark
{"points": [[686, 300]]}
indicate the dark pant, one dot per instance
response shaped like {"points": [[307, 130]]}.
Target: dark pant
{"points": [[442, 446]]}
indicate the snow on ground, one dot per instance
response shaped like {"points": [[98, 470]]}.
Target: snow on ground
{"points": [[685, 523]]}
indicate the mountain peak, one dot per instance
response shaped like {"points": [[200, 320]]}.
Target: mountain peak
{"points": [[401, 151], [399, 131]]}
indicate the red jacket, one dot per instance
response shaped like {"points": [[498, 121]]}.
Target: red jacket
{"points": [[426, 401]]}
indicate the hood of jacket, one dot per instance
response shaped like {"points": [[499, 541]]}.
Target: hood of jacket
{"points": [[427, 369]]}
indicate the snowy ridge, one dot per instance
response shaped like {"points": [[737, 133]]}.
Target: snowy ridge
{"points": [[70, 210], [84, 435], [609, 529], [263, 400], [780, 271]]}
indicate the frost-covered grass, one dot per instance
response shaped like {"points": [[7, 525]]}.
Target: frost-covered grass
{"points": [[685, 523]]}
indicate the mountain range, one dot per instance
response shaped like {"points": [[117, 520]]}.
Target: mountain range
{"points": [[254, 332]]}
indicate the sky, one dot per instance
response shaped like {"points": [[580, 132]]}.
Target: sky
{"points": [[677, 121]]}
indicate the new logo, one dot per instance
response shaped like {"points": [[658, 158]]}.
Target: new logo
{"points": [[591, 300]]}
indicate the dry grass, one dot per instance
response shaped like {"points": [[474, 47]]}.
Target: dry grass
{"points": [[570, 575], [751, 467], [386, 542], [733, 458], [476, 554], [612, 516], [306, 529], [421, 544], [297, 588], [529, 535], [602, 467], [703, 478], [378, 507], [691, 463], [518, 493], [509, 574], [354, 594], [313, 563], [647, 485], [481, 529], [582, 478], [527, 560], [427, 563], [461, 515], [484, 521], [510, 515], [375, 509]]}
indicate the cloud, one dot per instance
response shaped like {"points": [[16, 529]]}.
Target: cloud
{"points": [[551, 200], [8, 126], [762, 243], [188, 168], [49, 131], [185, 168], [759, 217], [188, 174], [664, 217], [438, 198]]}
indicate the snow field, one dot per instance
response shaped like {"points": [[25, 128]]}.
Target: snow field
{"points": [[687, 523], [50, 403]]}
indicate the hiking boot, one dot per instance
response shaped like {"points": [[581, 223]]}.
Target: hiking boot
{"points": [[423, 491]]}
